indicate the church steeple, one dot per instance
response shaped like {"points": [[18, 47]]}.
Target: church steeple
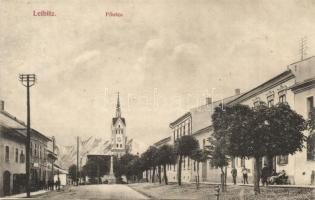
{"points": [[118, 112]]}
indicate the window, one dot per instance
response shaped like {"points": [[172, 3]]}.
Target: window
{"points": [[310, 146], [177, 133], [203, 143], [22, 157], [270, 102], [31, 149], [184, 163], [184, 129], [120, 145], [188, 163], [122, 131], [194, 166], [180, 131], [310, 105], [7, 153], [16, 155], [117, 145], [188, 129], [35, 150], [40, 152], [174, 135], [282, 98], [282, 160]]}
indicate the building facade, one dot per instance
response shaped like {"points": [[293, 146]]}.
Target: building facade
{"points": [[295, 86], [12, 156]]}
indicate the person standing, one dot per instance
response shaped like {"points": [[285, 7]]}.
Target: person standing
{"points": [[245, 175], [234, 175], [264, 175]]}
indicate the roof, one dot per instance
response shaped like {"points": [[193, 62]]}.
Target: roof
{"points": [[304, 85], [34, 133], [180, 119], [116, 118], [162, 141], [204, 130], [280, 78]]}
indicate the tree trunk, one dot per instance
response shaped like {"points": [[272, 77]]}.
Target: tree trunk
{"points": [[146, 175], [222, 180], [159, 170], [225, 177], [165, 175], [179, 173], [270, 164], [197, 175], [256, 175], [153, 174]]}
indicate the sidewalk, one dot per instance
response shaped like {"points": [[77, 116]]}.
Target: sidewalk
{"points": [[23, 195], [252, 185]]}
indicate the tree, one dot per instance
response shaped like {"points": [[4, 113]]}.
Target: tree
{"points": [[128, 165], [198, 155], [149, 159], [311, 121], [166, 156], [73, 172], [261, 131], [96, 167], [184, 146]]}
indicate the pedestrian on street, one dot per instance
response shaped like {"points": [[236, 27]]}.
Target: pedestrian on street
{"points": [[234, 175], [245, 175], [264, 175]]}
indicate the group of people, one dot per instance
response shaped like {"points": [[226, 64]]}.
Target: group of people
{"points": [[266, 177], [51, 185], [244, 173]]}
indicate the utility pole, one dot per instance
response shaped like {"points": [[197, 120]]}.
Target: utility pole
{"points": [[303, 47], [77, 175], [53, 161], [28, 80]]}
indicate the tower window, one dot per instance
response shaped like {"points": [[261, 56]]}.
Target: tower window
{"points": [[7, 154], [117, 145], [120, 145], [122, 131]]}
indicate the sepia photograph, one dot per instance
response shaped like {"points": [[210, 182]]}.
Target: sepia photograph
{"points": [[157, 99]]}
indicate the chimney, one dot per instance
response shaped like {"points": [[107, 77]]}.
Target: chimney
{"points": [[208, 100], [237, 91], [1, 105]]}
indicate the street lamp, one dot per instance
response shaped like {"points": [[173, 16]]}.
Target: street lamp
{"points": [[28, 80]]}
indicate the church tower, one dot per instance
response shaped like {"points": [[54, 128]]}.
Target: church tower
{"points": [[118, 138]]}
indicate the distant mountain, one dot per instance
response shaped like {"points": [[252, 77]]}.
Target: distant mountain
{"points": [[67, 155]]}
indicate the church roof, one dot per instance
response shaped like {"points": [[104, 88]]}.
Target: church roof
{"points": [[116, 118]]}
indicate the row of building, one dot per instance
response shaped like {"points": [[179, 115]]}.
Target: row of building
{"points": [[295, 86], [43, 154]]}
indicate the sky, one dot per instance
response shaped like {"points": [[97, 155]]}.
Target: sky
{"points": [[164, 57]]}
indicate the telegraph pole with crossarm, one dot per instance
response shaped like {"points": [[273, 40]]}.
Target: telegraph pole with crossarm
{"points": [[28, 80]]}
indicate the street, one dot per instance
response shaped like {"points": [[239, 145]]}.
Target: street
{"points": [[95, 192]]}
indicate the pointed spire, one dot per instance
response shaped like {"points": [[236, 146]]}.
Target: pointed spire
{"points": [[118, 112]]}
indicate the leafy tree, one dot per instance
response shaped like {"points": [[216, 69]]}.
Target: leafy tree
{"points": [[149, 159], [73, 172], [198, 155], [261, 131], [184, 147], [128, 165], [96, 167], [166, 156]]}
